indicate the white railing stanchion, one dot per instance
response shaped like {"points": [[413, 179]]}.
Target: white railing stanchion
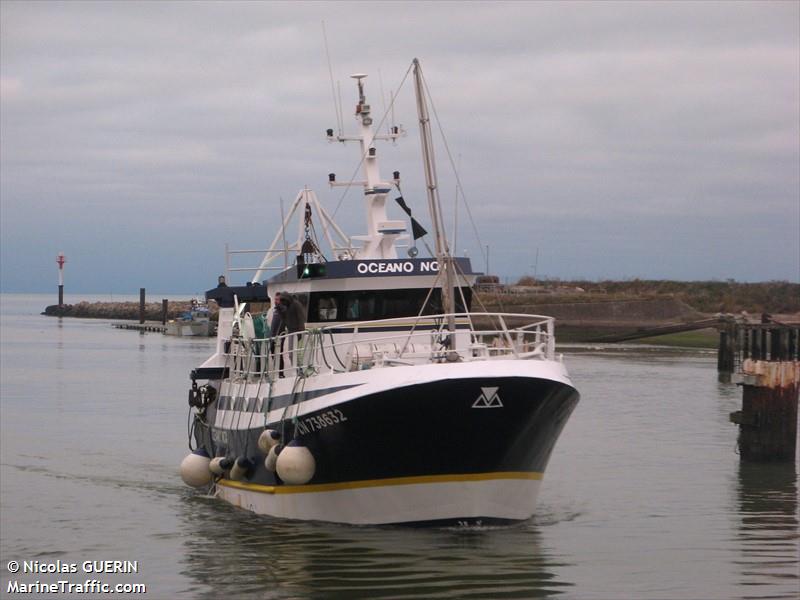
{"points": [[308, 352]]}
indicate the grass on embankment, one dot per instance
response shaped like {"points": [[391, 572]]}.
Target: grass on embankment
{"points": [[700, 338]]}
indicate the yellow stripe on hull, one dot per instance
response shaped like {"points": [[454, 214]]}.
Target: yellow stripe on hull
{"points": [[351, 485]]}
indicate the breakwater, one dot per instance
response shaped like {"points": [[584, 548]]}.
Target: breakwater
{"points": [[575, 321], [122, 311]]}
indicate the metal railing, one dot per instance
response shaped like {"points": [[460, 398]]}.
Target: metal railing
{"points": [[393, 342]]}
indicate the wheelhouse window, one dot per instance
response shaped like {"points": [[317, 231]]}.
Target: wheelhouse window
{"points": [[380, 304], [327, 308]]}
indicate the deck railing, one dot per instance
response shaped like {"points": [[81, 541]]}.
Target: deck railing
{"points": [[393, 342]]}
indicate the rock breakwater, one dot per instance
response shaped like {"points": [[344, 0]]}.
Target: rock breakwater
{"points": [[121, 310]]}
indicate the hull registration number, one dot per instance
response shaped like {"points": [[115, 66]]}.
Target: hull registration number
{"points": [[318, 422]]}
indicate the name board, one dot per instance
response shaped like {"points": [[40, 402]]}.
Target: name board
{"points": [[390, 267], [404, 267]]}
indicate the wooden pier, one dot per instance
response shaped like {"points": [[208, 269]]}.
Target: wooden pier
{"points": [[768, 419], [770, 340], [153, 327], [763, 358]]}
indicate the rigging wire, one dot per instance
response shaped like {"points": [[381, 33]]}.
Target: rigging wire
{"points": [[419, 316], [190, 429], [301, 373], [246, 346], [257, 345], [459, 186], [335, 352]]}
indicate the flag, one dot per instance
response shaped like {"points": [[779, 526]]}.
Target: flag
{"points": [[417, 229], [403, 205]]}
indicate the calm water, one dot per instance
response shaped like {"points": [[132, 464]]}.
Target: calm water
{"points": [[644, 496]]}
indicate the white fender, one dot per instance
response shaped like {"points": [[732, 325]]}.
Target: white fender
{"points": [[267, 439], [295, 465], [194, 469], [239, 469], [272, 458], [219, 465]]}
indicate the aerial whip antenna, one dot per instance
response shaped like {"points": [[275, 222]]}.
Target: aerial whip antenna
{"points": [[336, 106]]}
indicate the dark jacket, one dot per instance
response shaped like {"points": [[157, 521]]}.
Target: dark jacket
{"points": [[278, 325], [295, 315]]}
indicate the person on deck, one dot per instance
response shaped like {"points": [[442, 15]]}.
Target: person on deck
{"points": [[262, 331], [277, 327], [294, 318], [276, 324]]}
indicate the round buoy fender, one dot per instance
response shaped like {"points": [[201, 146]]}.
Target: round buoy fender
{"points": [[194, 469], [272, 457], [295, 464], [267, 439], [220, 464], [241, 469]]}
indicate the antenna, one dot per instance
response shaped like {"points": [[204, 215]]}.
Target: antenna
{"points": [[383, 96], [391, 106], [358, 77], [341, 119], [336, 108], [283, 235], [455, 206]]}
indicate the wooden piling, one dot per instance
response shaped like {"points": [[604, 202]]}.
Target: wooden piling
{"points": [[768, 419], [164, 310], [785, 337], [726, 354], [767, 341], [141, 305], [755, 348]]}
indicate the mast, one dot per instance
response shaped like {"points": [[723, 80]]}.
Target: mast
{"points": [[443, 256], [381, 232]]}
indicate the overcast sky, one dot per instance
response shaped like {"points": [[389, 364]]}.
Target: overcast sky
{"points": [[616, 140]]}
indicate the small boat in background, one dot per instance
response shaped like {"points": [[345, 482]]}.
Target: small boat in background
{"points": [[194, 322]]}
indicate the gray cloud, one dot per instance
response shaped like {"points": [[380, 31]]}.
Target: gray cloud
{"points": [[621, 139]]}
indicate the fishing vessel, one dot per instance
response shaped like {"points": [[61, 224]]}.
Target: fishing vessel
{"points": [[396, 401], [192, 323]]}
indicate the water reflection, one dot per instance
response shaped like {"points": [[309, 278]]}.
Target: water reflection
{"points": [[768, 531], [269, 558]]}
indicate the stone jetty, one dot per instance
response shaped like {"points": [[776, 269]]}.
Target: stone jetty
{"points": [[122, 310]]}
